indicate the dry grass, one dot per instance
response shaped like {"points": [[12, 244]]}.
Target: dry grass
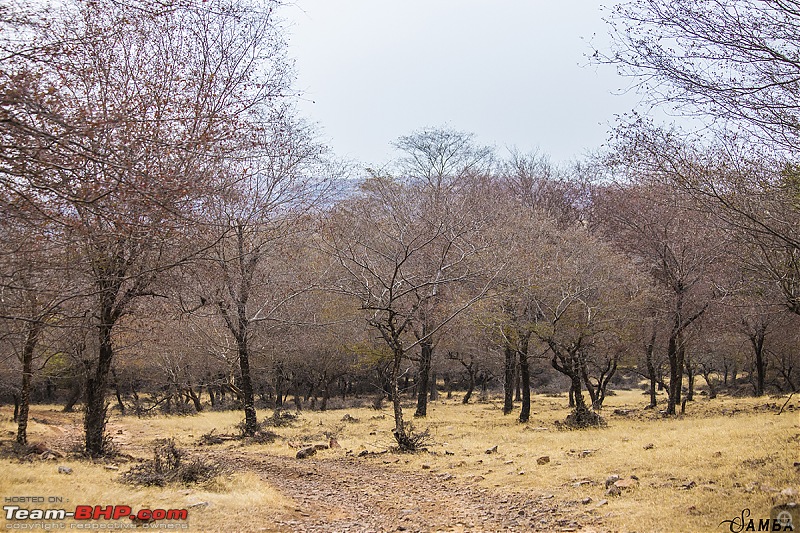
{"points": [[233, 499], [731, 453]]}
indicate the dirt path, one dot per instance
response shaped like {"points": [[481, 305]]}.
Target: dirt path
{"points": [[359, 495]]}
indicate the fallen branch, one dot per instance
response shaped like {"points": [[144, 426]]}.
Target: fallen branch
{"points": [[785, 404]]}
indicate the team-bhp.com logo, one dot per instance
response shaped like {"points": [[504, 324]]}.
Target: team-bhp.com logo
{"points": [[96, 512], [781, 518]]}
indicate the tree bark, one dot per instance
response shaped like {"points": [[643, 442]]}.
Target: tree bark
{"points": [[399, 425], [94, 421], [426, 354], [434, 392], [24, 402], [470, 387], [246, 386], [508, 385], [651, 368], [525, 380], [757, 341]]}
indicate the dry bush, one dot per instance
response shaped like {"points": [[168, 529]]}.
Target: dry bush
{"points": [[170, 464], [280, 419], [583, 419], [411, 440]]}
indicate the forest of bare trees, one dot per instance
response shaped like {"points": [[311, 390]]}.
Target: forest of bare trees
{"points": [[176, 238]]}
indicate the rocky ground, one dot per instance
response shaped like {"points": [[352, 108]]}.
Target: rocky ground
{"points": [[363, 495]]}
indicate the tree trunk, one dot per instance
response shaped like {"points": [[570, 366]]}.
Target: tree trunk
{"points": [[426, 353], [326, 395], [580, 403], [116, 391], [757, 341], [508, 385], [246, 386], [24, 402], [434, 392], [279, 381], [198, 405], [690, 374], [399, 425], [74, 394], [15, 396], [94, 421], [470, 386], [651, 369], [593, 393], [525, 379], [675, 355]]}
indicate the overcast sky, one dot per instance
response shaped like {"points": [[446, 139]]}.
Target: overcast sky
{"points": [[514, 72]]}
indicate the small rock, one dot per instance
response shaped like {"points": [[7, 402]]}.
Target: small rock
{"points": [[601, 503], [426, 467], [716, 455], [306, 452], [610, 480], [649, 446], [694, 511], [521, 473], [586, 501], [613, 490], [321, 446], [334, 443], [198, 505], [64, 470], [493, 449], [111, 467], [789, 492], [348, 418], [543, 460], [688, 486], [509, 462], [446, 452]]}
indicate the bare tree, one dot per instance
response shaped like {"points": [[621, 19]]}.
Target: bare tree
{"points": [[651, 221], [255, 229], [113, 116], [734, 61], [439, 162], [396, 263], [736, 64]]}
